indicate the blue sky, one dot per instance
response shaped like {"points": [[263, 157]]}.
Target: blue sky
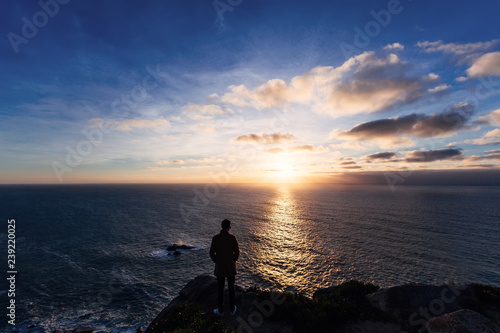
{"points": [[240, 90]]}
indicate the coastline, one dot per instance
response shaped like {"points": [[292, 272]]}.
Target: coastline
{"points": [[350, 307]]}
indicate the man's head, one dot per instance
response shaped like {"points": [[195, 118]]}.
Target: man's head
{"points": [[226, 224]]}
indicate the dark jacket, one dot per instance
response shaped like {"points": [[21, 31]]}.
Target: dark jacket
{"points": [[224, 252]]}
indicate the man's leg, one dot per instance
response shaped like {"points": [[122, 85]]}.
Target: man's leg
{"points": [[220, 293], [230, 285]]}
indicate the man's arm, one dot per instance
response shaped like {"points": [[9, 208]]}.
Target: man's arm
{"points": [[236, 249], [212, 251]]}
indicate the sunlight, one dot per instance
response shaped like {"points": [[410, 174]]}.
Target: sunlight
{"points": [[284, 252], [284, 171]]}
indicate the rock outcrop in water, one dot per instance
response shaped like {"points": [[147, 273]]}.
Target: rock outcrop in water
{"points": [[407, 308], [176, 247]]}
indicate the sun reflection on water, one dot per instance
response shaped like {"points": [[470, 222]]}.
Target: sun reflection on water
{"points": [[287, 253]]}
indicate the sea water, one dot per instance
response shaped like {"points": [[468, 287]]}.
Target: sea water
{"points": [[95, 255]]}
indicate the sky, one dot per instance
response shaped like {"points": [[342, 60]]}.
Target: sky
{"points": [[249, 91]]}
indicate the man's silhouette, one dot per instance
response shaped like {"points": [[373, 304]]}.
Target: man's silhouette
{"points": [[224, 252]]}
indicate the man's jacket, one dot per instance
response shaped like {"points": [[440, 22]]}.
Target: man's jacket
{"points": [[224, 252]]}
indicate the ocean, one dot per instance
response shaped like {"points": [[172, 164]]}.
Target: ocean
{"points": [[95, 255]]}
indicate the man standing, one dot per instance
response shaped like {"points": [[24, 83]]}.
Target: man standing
{"points": [[224, 252]]}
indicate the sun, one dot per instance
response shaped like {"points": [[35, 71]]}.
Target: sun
{"points": [[284, 171]]}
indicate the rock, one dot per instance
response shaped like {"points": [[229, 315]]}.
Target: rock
{"points": [[463, 321], [413, 303], [179, 247], [177, 253], [139, 330], [408, 308], [32, 326], [202, 291], [85, 315], [369, 326], [57, 331], [83, 330]]}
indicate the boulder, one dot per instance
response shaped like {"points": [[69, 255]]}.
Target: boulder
{"points": [[83, 330], [175, 247], [202, 291], [463, 321], [177, 253], [412, 303]]}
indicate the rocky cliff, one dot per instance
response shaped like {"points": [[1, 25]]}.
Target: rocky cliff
{"points": [[350, 307]]}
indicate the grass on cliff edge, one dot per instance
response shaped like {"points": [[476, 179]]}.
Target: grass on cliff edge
{"points": [[332, 309], [189, 318]]}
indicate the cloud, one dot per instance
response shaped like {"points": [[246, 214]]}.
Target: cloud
{"points": [[345, 145], [384, 155], [419, 156], [128, 124], [308, 148], [163, 162], [430, 77], [491, 118], [348, 163], [351, 167], [495, 151], [439, 88], [456, 48], [394, 46], [177, 161], [206, 160], [480, 166], [394, 130], [206, 128], [490, 138], [265, 138], [196, 116], [495, 157], [205, 109], [495, 116], [275, 151], [363, 84], [487, 64], [493, 134], [372, 95]]}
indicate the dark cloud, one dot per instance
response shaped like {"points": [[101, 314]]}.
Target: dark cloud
{"points": [[416, 125], [266, 138], [473, 177], [480, 166], [384, 155], [351, 167], [492, 156], [348, 163], [418, 156]]}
